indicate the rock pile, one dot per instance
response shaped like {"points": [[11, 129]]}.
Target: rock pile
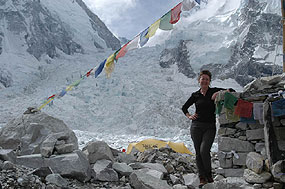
{"points": [[245, 149], [40, 151]]}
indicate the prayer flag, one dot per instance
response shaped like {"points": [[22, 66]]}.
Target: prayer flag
{"points": [[244, 108], [88, 73], [109, 66], [187, 5], [76, 83], [198, 1], [134, 44], [69, 88], [122, 51], [46, 102], [143, 39], [62, 93], [175, 13], [230, 101], [152, 29], [51, 96], [165, 22], [100, 68], [278, 107]]}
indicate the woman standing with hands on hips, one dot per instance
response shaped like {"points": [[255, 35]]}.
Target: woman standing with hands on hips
{"points": [[203, 127]]}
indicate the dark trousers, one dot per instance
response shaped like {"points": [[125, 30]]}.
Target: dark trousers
{"points": [[203, 135]]}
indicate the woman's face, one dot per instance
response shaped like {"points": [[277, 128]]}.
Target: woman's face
{"points": [[204, 81]]}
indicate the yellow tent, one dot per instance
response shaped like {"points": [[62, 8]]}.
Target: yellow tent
{"points": [[153, 143]]}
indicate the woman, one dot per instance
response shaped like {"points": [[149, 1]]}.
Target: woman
{"points": [[203, 127]]}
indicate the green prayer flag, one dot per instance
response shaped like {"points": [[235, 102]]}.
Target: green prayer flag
{"points": [[165, 22], [230, 101]]}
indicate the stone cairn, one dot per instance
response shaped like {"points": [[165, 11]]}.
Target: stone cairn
{"points": [[249, 150]]}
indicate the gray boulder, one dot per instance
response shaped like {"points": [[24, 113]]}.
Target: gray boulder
{"points": [[27, 133], [7, 155], [277, 171], [252, 177], [140, 180], [104, 172], [57, 180], [73, 165], [123, 169], [98, 150], [254, 162]]}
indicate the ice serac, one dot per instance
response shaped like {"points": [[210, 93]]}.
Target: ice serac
{"points": [[241, 40], [177, 56]]}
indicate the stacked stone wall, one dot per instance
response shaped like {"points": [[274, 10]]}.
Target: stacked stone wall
{"points": [[253, 150]]}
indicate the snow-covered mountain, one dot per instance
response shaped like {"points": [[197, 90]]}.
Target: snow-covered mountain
{"points": [[37, 31], [47, 46], [234, 39]]}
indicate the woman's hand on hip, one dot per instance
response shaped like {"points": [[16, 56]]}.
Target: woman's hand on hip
{"points": [[192, 117]]}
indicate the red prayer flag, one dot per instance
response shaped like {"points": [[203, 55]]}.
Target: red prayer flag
{"points": [[244, 108], [51, 96], [88, 73], [122, 52], [175, 13]]}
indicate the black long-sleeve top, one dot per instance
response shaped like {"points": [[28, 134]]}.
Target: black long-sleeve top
{"points": [[205, 107]]}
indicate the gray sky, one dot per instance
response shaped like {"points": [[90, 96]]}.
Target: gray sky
{"points": [[126, 18]]}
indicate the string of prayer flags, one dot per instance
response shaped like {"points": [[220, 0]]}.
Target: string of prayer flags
{"points": [[152, 29], [109, 65], [175, 13], [164, 23]]}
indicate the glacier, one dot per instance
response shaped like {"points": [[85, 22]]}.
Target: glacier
{"points": [[141, 99]]}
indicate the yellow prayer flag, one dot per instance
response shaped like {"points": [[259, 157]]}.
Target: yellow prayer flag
{"points": [[46, 102], [69, 88], [152, 29], [109, 65]]}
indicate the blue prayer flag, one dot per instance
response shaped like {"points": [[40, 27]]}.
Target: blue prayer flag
{"points": [[62, 93], [143, 39], [198, 1], [100, 68], [278, 107]]}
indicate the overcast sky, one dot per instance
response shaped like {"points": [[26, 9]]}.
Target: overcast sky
{"points": [[127, 18]]}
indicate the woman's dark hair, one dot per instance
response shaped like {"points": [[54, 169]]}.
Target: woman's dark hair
{"points": [[206, 72]]}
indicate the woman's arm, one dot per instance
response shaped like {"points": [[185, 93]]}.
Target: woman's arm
{"points": [[187, 104], [192, 117]]}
